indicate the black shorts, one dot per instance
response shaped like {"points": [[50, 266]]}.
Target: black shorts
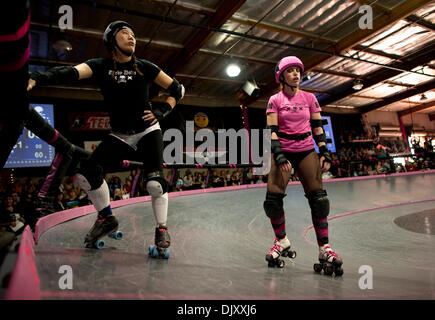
{"points": [[296, 157], [112, 151]]}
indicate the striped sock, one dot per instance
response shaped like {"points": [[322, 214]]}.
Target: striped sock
{"points": [[278, 226], [321, 229]]}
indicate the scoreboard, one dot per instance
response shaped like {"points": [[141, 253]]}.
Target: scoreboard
{"points": [[31, 151]]}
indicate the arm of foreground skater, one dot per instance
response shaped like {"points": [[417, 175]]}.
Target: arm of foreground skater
{"points": [[320, 138], [280, 159]]}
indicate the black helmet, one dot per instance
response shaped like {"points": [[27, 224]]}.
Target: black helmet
{"points": [[111, 31]]}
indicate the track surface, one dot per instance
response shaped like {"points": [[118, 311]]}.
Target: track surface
{"points": [[219, 242]]}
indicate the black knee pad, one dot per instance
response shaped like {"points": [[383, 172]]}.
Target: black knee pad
{"points": [[156, 184], [93, 173], [319, 203], [273, 205]]}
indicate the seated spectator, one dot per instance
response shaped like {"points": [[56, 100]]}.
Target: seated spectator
{"points": [[10, 217], [127, 186], [188, 181], [115, 183], [73, 199], [217, 180], [249, 177], [408, 166], [125, 194], [198, 181], [59, 203], [260, 179], [117, 194], [15, 198], [234, 181], [68, 184], [179, 184], [223, 178], [27, 209]]}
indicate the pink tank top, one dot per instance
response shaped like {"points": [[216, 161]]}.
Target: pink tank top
{"points": [[294, 114]]}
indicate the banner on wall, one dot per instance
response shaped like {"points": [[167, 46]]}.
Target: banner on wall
{"points": [[87, 121]]}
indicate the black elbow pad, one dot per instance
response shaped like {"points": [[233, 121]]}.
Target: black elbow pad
{"points": [[176, 90], [316, 123]]}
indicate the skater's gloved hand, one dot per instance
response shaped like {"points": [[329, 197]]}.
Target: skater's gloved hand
{"points": [[280, 159], [325, 158]]}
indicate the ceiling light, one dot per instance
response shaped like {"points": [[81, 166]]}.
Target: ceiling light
{"points": [[357, 84], [233, 70]]}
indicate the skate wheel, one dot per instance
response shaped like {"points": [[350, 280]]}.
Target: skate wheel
{"points": [[338, 271], [100, 244], [166, 256], [317, 267], [151, 250], [117, 235], [155, 253], [328, 271], [292, 254]]}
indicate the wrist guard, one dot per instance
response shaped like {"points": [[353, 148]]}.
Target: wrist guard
{"points": [[176, 90], [320, 138], [162, 110], [278, 153], [324, 152]]}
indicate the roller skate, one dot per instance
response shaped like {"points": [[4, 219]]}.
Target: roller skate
{"points": [[279, 248], [102, 227], [329, 262], [162, 241]]}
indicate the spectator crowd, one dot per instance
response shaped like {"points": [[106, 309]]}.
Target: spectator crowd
{"points": [[366, 157]]}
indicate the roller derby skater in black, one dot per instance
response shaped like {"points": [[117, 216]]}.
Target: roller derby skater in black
{"points": [[293, 148], [136, 134]]}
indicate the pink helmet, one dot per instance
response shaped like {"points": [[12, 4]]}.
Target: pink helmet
{"points": [[285, 63]]}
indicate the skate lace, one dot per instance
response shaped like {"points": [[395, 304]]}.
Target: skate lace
{"points": [[275, 248], [330, 253]]}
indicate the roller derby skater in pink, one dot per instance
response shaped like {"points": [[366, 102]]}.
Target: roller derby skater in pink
{"points": [[136, 134], [294, 118]]}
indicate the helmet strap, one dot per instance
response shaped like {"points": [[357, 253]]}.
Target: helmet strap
{"points": [[125, 53], [293, 88]]}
